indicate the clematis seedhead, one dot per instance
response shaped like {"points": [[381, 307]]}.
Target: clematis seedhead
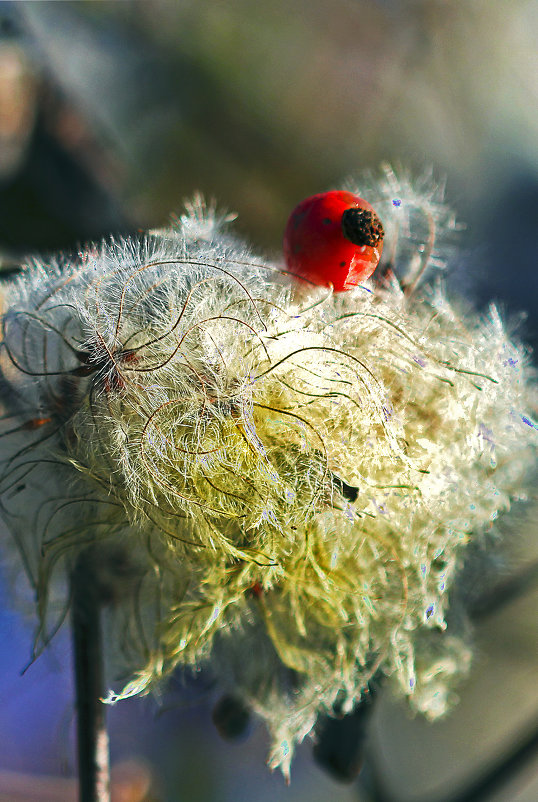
{"points": [[287, 477]]}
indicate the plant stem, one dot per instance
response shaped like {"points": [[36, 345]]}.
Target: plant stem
{"points": [[92, 736]]}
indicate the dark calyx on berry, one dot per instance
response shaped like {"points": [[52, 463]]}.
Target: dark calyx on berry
{"points": [[362, 227]]}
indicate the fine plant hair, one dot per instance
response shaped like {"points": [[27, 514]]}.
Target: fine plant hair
{"points": [[280, 480]]}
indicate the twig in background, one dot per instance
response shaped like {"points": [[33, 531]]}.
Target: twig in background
{"points": [[92, 736]]}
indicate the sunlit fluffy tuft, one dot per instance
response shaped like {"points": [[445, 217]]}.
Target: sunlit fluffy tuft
{"points": [[291, 475]]}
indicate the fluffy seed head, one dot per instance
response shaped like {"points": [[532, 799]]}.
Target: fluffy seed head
{"points": [[290, 478]]}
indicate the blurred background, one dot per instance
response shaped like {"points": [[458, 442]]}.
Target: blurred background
{"points": [[111, 114]]}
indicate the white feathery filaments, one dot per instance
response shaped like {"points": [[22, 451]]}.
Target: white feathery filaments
{"points": [[292, 473], [419, 226]]}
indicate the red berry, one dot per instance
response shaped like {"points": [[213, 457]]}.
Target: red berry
{"points": [[333, 238]]}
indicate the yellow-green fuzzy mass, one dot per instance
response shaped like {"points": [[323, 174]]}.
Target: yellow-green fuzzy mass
{"points": [[293, 473]]}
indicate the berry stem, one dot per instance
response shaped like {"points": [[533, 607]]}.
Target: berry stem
{"points": [[92, 736]]}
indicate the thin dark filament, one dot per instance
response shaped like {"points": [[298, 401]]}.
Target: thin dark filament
{"points": [[24, 552], [171, 513], [381, 318], [53, 549], [242, 552], [56, 289], [468, 372], [33, 372], [22, 427], [242, 477], [217, 349], [280, 271], [124, 291], [173, 535], [248, 552], [24, 450], [397, 487], [167, 333], [341, 353], [260, 300], [21, 477], [418, 346], [161, 482], [323, 377], [76, 538], [84, 499], [63, 305], [147, 292], [189, 330], [325, 349], [320, 302], [220, 490], [44, 323], [442, 379], [172, 445], [122, 297], [159, 263], [102, 452], [306, 423], [331, 394], [41, 640]]}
